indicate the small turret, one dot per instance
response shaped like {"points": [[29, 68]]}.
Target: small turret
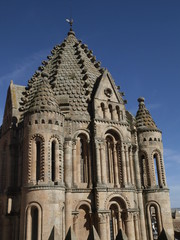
{"points": [[150, 148]]}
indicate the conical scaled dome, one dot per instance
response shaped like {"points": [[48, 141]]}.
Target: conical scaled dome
{"points": [[72, 72], [43, 98], [143, 117]]}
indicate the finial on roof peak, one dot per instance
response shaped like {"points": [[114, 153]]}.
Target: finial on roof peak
{"points": [[70, 21], [141, 100]]}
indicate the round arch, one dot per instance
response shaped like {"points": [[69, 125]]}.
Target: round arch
{"points": [[83, 132], [112, 129]]}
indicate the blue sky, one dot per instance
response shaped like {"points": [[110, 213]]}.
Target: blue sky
{"points": [[138, 41]]}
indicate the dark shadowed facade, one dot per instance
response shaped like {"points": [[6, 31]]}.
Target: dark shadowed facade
{"points": [[73, 158]]}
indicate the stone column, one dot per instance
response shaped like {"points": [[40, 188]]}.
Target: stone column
{"points": [[102, 226], [120, 221], [107, 226], [113, 113], [130, 227], [39, 224], [68, 162], [115, 166], [141, 217], [75, 217], [74, 173], [136, 165], [149, 224], [68, 211], [136, 226], [103, 163], [29, 224], [89, 165], [123, 167], [131, 165], [98, 164], [127, 165]]}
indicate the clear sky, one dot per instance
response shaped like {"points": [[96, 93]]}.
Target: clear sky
{"points": [[138, 41]]}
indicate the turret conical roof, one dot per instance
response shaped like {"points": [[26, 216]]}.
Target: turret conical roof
{"points": [[43, 98], [144, 120]]}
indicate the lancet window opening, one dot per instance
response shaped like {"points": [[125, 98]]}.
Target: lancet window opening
{"points": [[113, 158], [117, 217], [155, 159], [34, 226], [114, 218], [154, 220], [83, 153], [110, 159], [103, 110], [33, 222], [53, 160], [111, 112], [118, 113], [38, 160]]}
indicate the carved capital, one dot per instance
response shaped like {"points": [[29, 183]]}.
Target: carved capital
{"points": [[102, 216]]}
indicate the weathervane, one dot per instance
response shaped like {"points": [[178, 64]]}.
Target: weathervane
{"points": [[70, 21]]}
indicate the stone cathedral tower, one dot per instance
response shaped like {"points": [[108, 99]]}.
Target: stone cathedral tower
{"points": [[73, 158]]}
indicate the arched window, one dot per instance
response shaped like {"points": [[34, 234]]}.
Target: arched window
{"points": [[113, 160], [34, 227], [118, 113], [117, 217], [155, 158], [38, 160], [53, 160], [103, 110], [82, 161], [110, 159], [113, 221], [111, 112], [33, 222], [154, 220], [83, 222]]}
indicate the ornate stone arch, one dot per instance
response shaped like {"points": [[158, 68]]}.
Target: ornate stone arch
{"points": [[42, 151], [59, 164], [83, 132], [121, 197], [113, 129], [83, 202]]}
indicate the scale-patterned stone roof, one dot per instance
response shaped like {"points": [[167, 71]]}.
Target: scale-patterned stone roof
{"points": [[72, 71], [143, 117], [44, 98]]}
